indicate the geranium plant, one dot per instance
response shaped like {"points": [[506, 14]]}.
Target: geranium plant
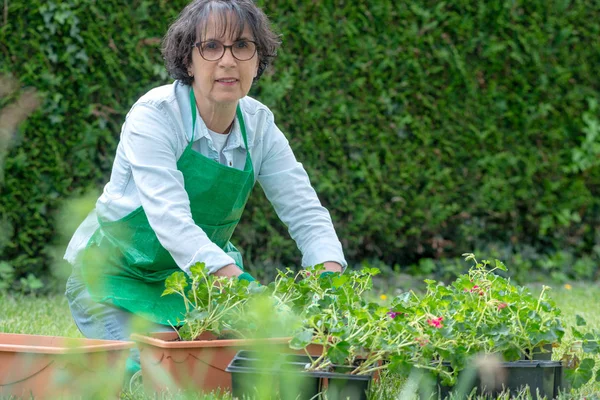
{"points": [[236, 308], [480, 312], [213, 303], [352, 331]]}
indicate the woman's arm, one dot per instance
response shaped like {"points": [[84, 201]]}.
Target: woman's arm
{"points": [[149, 141], [287, 186]]}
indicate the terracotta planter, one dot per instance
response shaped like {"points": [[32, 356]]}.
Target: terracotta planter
{"points": [[52, 366], [171, 364]]}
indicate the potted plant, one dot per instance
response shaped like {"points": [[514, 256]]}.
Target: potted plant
{"points": [[481, 312], [52, 366], [352, 335], [223, 316], [274, 375]]}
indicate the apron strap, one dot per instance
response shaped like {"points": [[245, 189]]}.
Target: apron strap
{"points": [[193, 107], [242, 126]]}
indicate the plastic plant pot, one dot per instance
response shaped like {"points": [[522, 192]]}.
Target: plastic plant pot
{"points": [[539, 375], [540, 353], [197, 365], [285, 376], [49, 367], [341, 385], [278, 376]]}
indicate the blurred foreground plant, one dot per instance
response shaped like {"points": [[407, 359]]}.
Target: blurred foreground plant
{"points": [[13, 114], [230, 306]]}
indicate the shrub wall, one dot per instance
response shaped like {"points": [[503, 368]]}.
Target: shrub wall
{"points": [[428, 128]]}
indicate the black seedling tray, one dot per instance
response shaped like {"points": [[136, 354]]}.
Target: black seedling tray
{"points": [[541, 375], [289, 378]]}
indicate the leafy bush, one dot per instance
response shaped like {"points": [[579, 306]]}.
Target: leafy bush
{"points": [[428, 129]]}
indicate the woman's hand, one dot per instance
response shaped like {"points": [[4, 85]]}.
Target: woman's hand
{"points": [[332, 267], [229, 270]]}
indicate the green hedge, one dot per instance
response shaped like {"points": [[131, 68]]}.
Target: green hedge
{"points": [[428, 128]]}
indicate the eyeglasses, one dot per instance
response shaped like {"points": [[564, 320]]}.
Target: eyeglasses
{"points": [[213, 50]]}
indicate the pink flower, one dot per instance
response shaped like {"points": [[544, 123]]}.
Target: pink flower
{"points": [[502, 305], [436, 322], [474, 289], [393, 314], [422, 341]]}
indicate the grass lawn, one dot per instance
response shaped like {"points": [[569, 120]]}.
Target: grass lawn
{"points": [[49, 315]]}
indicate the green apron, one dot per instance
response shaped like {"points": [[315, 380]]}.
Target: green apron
{"points": [[124, 264]]}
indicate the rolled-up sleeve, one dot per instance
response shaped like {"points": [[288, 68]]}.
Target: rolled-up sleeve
{"points": [[287, 186], [149, 142]]}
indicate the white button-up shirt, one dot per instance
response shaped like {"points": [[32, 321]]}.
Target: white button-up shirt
{"points": [[156, 131]]}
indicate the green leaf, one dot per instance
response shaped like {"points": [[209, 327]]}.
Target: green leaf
{"points": [[371, 271], [339, 352], [301, 339], [175, 283], [512, 354], [399, 366], [339, 280], [582, 374], [469, 256], [579, 320], [198, 269], [590, 346], [547, 307], [576, 334], [197, 315], [500, 265]]}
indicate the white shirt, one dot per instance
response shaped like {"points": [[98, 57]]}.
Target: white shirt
{"points": [[156, 131], [218, 141]]}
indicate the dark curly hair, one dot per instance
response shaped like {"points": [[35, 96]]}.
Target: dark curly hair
{"points": [[190, 27]]}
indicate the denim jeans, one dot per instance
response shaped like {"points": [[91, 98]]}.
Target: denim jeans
{"points": [[104, 321]]}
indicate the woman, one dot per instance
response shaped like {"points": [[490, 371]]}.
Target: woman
{"points": [[187, 160]]}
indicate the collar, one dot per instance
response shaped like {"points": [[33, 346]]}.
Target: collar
{"points": [[235, 138]]}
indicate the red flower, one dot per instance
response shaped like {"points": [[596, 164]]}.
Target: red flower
{"points": [[502, 305], [436, 322], [475, 288]]}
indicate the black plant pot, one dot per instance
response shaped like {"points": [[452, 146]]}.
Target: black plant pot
{"points": [[539, 375], [287, 377], [342, 386], [543, 352], [281, 375]]}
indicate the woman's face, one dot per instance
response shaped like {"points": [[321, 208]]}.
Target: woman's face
{"points": [[225, 81]]}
